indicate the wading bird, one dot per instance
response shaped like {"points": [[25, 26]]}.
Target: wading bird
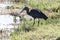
{"points": [[35, 13]]}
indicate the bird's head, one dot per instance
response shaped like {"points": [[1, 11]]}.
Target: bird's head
{"points": [[25, 8]]}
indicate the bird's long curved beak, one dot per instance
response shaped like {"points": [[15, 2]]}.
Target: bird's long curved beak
{"points": [[22, 11]]}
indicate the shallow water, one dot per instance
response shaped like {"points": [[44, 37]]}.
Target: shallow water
{"points": [[6, 20], [3, 5], [6, 27]]}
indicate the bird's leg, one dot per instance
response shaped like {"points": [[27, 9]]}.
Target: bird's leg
{"points": [[34, 22], [38, 21]]}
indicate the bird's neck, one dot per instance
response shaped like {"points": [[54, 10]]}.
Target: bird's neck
{"points": [[27, 11]]}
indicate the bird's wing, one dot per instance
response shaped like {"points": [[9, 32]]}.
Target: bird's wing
{"points": [[37, 10], [35, 13]]}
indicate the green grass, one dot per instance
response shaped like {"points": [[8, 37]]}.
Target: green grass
{"points": [[47, 30]]}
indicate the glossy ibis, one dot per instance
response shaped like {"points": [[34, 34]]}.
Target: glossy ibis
{"points": [[35, 13]]}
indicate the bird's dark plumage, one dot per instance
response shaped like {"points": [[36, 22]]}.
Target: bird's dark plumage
{"points": [[35, 13]]}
